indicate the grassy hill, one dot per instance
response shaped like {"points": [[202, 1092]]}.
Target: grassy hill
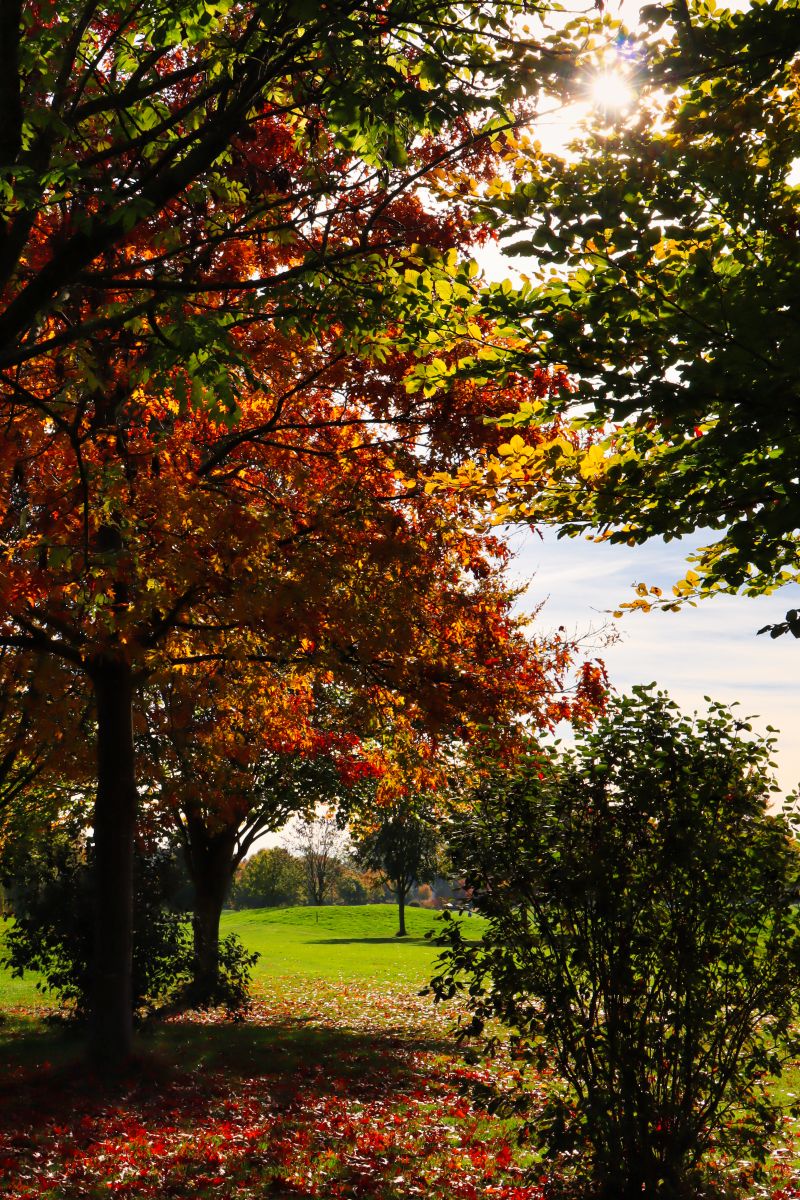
{"points": [[334, 943]]}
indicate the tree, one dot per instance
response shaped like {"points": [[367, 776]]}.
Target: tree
{"points": [[232, 754], [268, 879], [642, 937], [672, 234], [320, 842], [122, 119], [353, 568], [49, 880], [223, 289], [402, 846]]}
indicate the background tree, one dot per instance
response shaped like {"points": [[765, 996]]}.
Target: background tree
{"points": [[270, 878], [401, 845], [642, 936], [321, 844]]}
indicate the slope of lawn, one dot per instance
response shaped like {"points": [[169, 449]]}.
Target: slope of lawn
{"points": [[339, 942], [333, 942]]}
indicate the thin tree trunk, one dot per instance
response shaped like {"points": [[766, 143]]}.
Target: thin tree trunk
{"points": [[111, 1007], [401, 910]]}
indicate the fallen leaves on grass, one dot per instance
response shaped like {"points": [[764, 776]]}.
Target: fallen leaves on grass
{"points": [[325, 1092], [379, 1112]]}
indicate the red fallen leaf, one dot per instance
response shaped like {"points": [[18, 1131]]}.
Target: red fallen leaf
{"points": [[504, 1156]]}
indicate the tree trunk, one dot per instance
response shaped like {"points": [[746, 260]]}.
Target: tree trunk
{"points": [[209, 898], [111, 1005], [402, 892], [211, 861]]}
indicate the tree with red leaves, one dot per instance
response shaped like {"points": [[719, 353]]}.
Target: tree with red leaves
{"points": [[234, 330]]}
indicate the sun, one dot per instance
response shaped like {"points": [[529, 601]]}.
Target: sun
{"points": [[611, 90]]}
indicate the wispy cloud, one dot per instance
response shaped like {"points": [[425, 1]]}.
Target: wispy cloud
{"points": [[709, 650]]}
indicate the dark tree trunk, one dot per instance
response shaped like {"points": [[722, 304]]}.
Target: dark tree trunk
{"points": [[211, 861], [210, 892], [111, 1009], [402, 892]]}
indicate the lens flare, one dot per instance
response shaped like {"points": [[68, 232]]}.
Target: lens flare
{"points": [[611, 90]]}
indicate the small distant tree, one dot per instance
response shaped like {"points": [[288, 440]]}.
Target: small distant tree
{"points": [[321, 843], [402, 846], [642, 938], [268, 879]]}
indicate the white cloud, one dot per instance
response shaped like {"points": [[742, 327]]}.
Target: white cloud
{"points": [[709, 650]]}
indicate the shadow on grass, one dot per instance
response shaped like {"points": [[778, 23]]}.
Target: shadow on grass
{"points": [[42, 1064], [394, 940], [214, 1110]]}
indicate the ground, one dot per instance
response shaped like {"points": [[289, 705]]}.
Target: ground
{"points": [[342, 1082]]}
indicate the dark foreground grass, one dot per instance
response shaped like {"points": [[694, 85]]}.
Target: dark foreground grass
{"points": [[343, 1082]]}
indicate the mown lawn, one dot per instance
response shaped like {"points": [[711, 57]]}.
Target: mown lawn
{"points": [[343, 1083], [356, 943], [348, 943]]}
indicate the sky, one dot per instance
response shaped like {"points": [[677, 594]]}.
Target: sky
{"points": [[712, 650]]}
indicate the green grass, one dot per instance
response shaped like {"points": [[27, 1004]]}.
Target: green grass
{"points": [[333, 943], [355, 943]]}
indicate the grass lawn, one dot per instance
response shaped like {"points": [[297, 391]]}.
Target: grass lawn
{"points": [[349, 943], [331, 943], [342, 1084]]}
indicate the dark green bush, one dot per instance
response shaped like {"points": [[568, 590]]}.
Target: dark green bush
{"points": [[51, 931], [642, 941]]}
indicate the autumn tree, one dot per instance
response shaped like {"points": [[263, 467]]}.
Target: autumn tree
{"points": [[120, 114], [229, 756], [665, 247], [217, 262]]}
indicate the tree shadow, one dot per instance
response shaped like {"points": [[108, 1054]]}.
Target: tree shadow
{"points": [[220, 1106], [374, 941], [43, 1068]]}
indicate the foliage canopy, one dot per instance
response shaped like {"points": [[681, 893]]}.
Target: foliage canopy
{"points": [[665, 282]]}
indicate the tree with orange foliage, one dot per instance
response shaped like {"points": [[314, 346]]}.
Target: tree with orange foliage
{"points": [[232, 330], [231, 754], [143, 535]]}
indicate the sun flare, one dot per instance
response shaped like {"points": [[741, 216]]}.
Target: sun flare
{"points": [[611, 90]]}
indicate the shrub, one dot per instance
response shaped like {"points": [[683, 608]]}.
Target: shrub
{"points": [[641, 939], [51, 889]]}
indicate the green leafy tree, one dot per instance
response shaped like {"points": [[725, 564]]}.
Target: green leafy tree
{"points": [[401, 844], [642, 938], [268, 879], [667, 283]]}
